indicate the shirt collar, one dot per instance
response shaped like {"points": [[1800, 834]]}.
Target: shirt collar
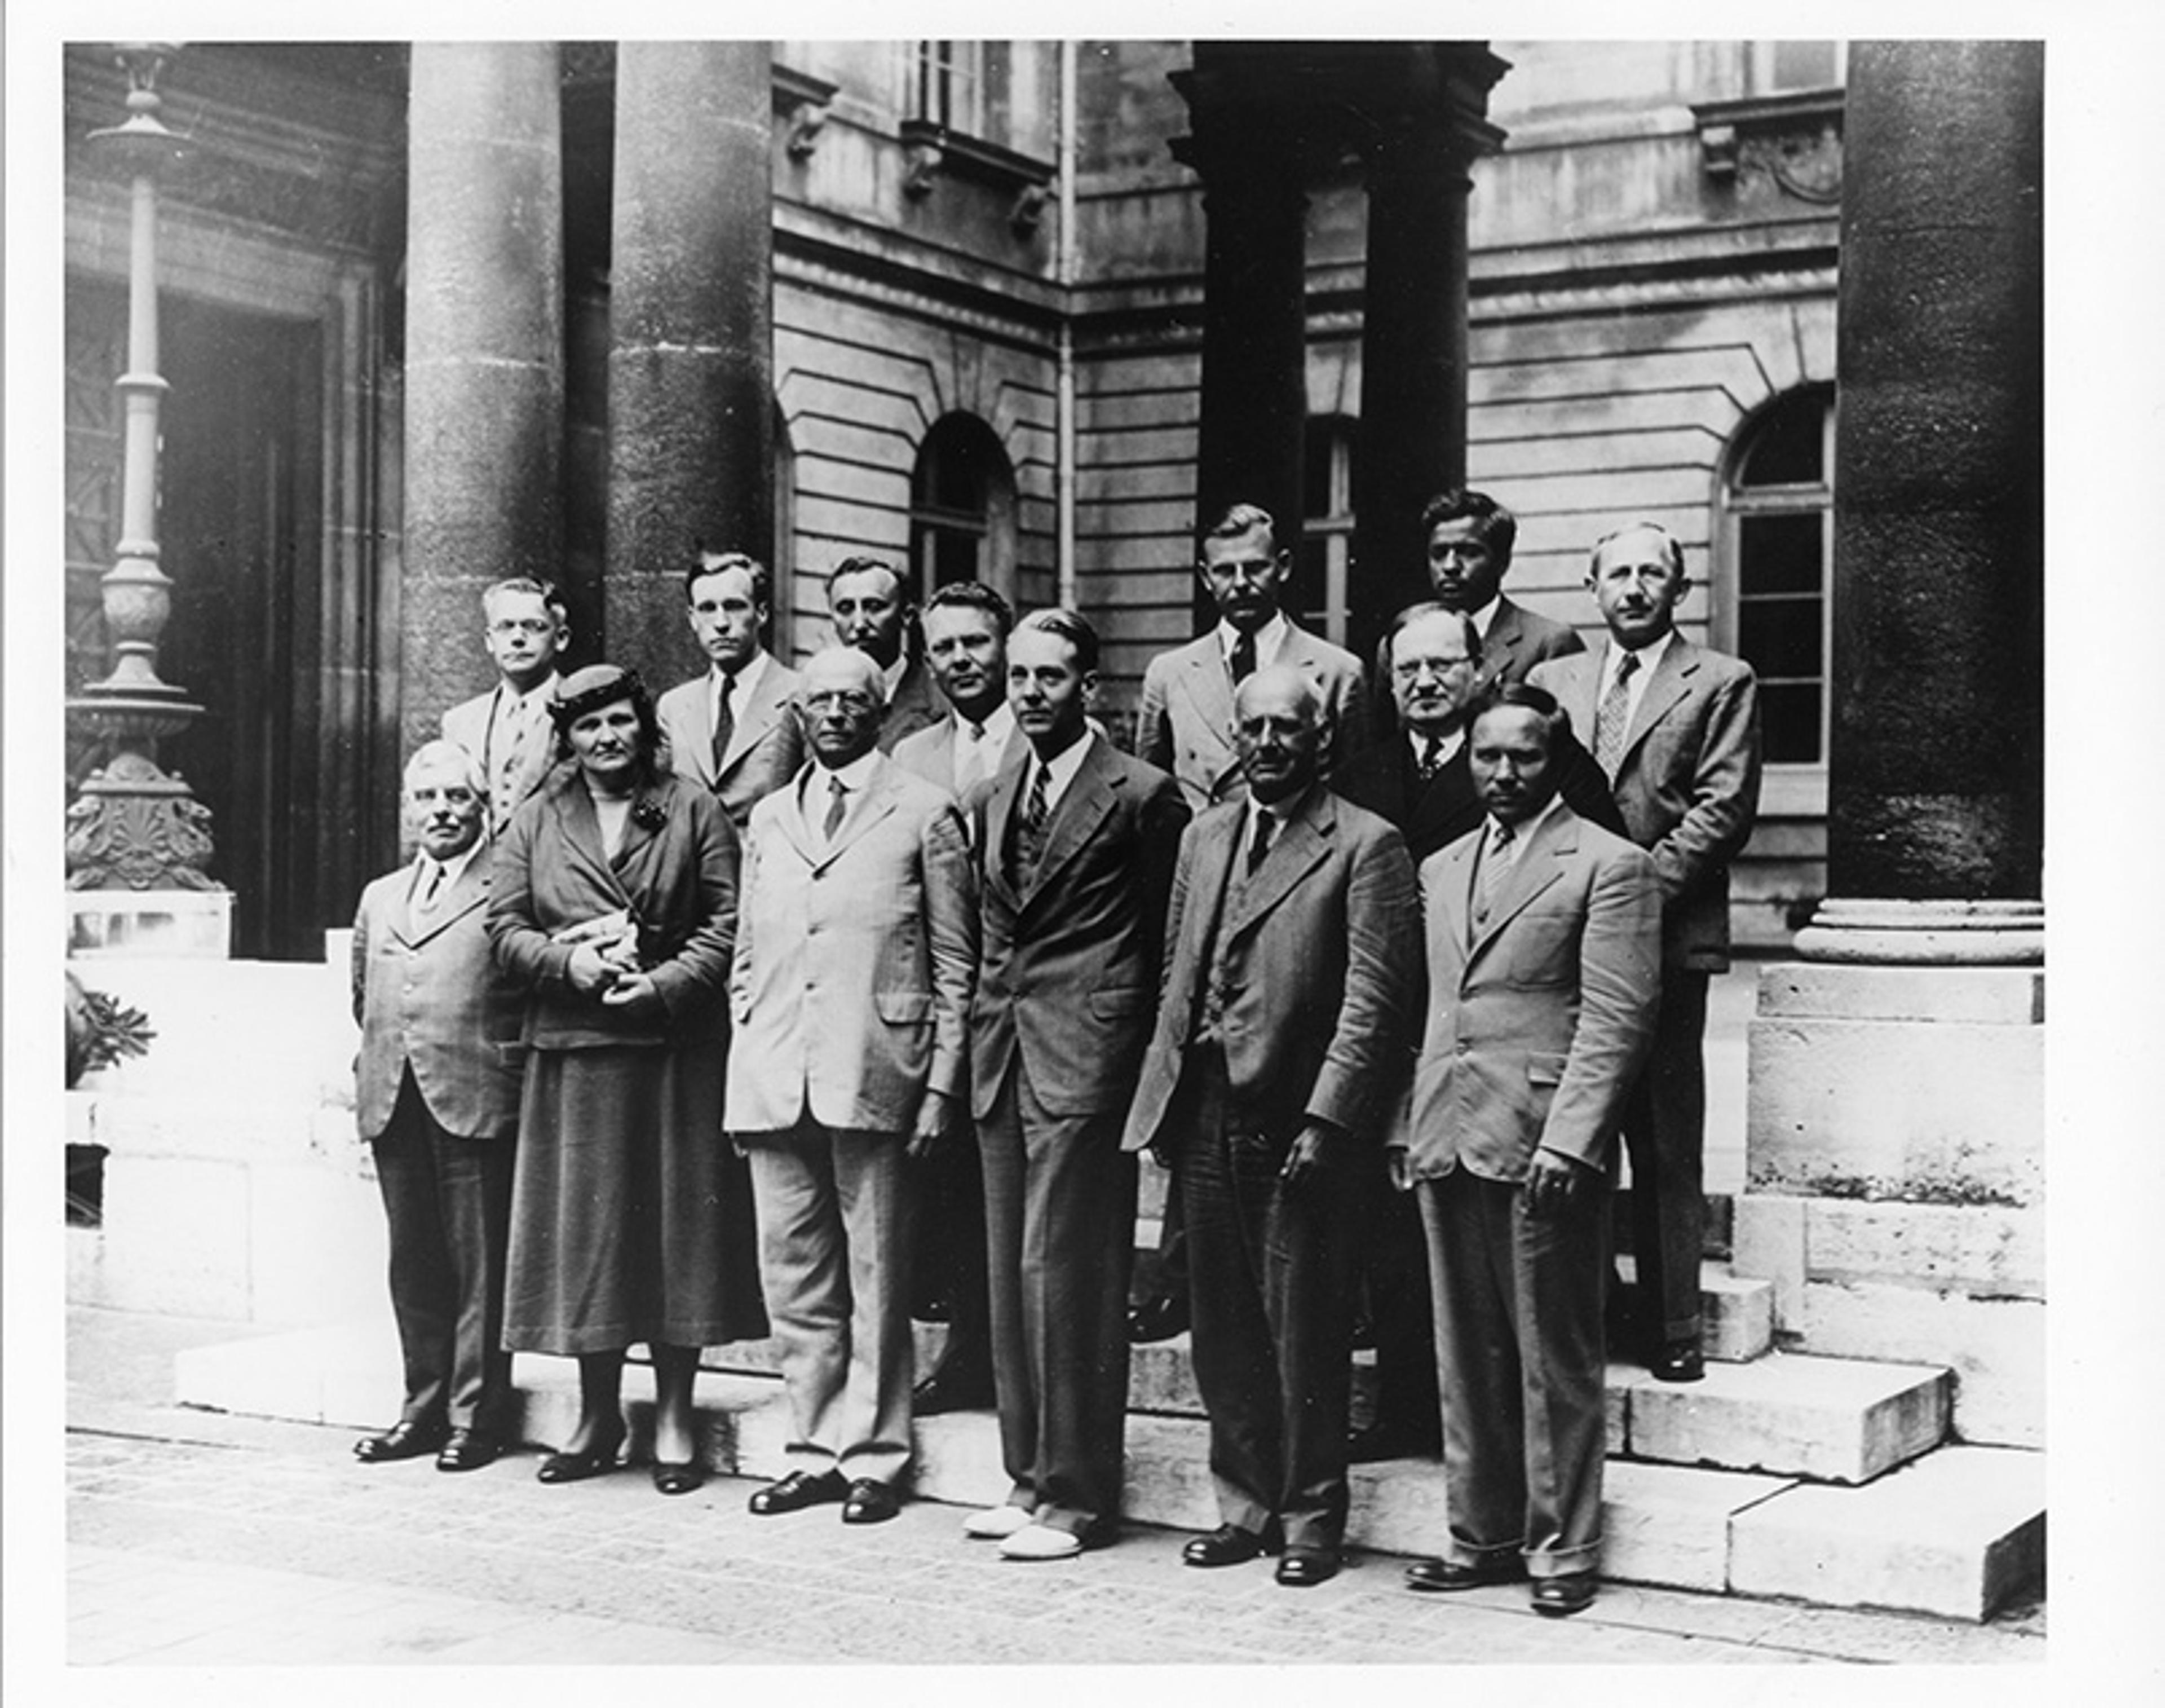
{"points": [[1522, 834], [894, 673], [856, 776], [454, 868], [997, 725], [1649, 656], [1485, 616], [1269, 640], [747, 673], [1063, 765], [1453, 738]]}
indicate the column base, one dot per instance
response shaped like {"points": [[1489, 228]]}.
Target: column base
{"points": [[1926, 933]]}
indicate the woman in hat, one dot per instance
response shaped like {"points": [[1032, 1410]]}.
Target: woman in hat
{"points": [[614, 899]]}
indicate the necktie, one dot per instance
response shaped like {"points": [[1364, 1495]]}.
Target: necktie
{"points": [[838, 804], [1244, 656], [1030, 829], [726, 721], [1431, 757], [969, 746], [1612, 720], [518, 724], [1495, 867], [433, 886], [1259, 849]]}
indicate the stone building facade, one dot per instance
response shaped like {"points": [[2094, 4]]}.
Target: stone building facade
{"points": [[988, 329]]}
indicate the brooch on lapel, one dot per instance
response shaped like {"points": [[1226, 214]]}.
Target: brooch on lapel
{"points": [[648, 814]]}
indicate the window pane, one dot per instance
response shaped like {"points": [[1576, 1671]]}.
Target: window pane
{"points": [[1315, 471], [1787, 450], [1310, 586], [1803, 65], [955, 557], [1789, 723], [1780, 637], [1781, 554]]}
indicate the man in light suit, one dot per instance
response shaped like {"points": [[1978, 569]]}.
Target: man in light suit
{"points": [[1677, 728], [850, 991], [1543, 939], [508, 729], [965, 646], [1470, 538], [732, 730], [1075, 850], [1283, 1040], [436, 1093], [872, 607], [1187, 727]]}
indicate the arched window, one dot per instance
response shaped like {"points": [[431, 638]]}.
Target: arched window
{"points": [[1325, 570], [962, 508], [1778, 516]]}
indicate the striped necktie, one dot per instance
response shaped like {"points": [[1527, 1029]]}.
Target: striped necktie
{"points": [[1612, 722]]}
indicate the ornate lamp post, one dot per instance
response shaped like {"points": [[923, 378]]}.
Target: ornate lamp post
{"points": [[132, 827]]}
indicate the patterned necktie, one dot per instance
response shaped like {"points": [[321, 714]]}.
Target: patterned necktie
{"points": [[517, 740], [838, 804], [1431, 757], [1259, 849], [1244, 656], [1030, 829], [725, 722], [1495, 868], [1612, 720]]}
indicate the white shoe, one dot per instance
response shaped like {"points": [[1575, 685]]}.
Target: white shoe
{"points": [[996, 1523], [1041, 1541]]}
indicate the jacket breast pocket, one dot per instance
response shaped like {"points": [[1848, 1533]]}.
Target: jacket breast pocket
{"points": [[1545, 1067], [1544, 948], [1118, 1004], [904, 1008]]}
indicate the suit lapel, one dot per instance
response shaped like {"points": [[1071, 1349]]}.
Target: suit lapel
{"points": [[880, 792], [1000, 809], [1533, 872], [1671, 683], [789, 816], [1300, 847], [1210, 686], [766, 707], [1082, 807], [468, 891], [701, 729]]}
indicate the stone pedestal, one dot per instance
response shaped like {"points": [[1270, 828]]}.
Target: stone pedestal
{"points": [[191, 923], [1895, 1175]]}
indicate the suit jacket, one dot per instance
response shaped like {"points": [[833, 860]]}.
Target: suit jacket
{"points": [[767, 744], [428, 994], [1069, 977], [1431, 814], [850, 985], [929, 752], [1518, 640], [1537, 1023], [468, 724], [916, 703], [677, 874], [1186, 724], [1687, 784], [1322, 969]]}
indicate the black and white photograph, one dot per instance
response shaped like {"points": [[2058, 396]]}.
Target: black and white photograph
{"points": [[1091, 850]]}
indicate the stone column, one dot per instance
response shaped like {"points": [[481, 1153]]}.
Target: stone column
{"points": [[1895, 1167], [1420, 143], [484, 355], [691, 333], [1250, 151]]}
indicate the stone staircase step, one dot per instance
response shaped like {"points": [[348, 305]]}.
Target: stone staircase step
{"points": [[1955, 1534], [1960, 1533], [1827, 1420], [1735, 1312]]}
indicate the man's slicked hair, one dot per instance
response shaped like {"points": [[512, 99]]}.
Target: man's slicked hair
{"points": [[1555, 720], [1671, 549], [1494, 526], [973, 596], [717, 563], [545, 590], [1070, 626], [1238, 519], [861, 565]]}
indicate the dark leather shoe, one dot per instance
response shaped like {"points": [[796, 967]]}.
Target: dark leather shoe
{"points": [[797, 1490], [1443, 1577], [1158, 1318], [1390, 1441], [1305, 1567], [1678, 1361], [948, 1389], [678, 1479], [1229, 1545], [576, 1467], [468, 1450], [402, 1440], [1560, 1597], [871, 1501]]}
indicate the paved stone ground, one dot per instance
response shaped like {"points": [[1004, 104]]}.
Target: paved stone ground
{"points": [[203, 1540]]}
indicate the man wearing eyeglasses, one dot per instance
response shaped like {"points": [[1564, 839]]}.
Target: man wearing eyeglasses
{"points": [[507, 730], [1417, 779]]}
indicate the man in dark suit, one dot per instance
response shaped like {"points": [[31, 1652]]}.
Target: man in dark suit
{"points": [[733, 729], [1543, 938], [1076, 848], [850, 991], [1418, 779], [873, 609], [1677, 727], [1289, 1005], [1470, 537], [437, 1096], [1186, 726], [508, 729], [965, 646]]}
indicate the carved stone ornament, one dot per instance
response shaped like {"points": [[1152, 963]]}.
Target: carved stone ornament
{"points": [[1771, 146], [132, 827]]}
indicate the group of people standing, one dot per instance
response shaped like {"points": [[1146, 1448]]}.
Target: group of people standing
{"points": [[802, 999]]}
